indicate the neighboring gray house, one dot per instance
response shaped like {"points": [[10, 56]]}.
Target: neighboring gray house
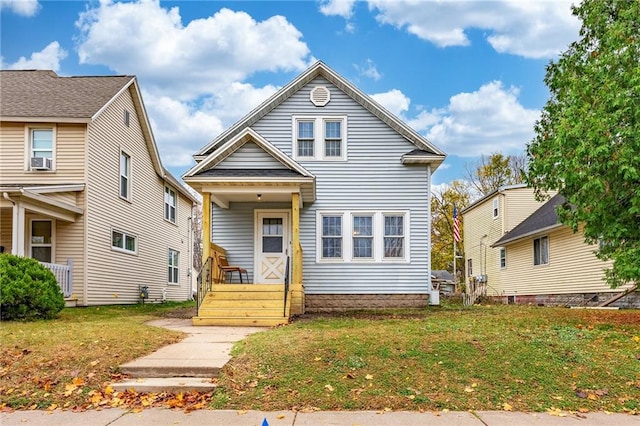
{"points": [[322, 176]]}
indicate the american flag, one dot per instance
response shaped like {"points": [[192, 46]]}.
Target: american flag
{"points": [[456, 225]]}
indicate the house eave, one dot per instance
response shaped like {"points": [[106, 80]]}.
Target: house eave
{"points": [[23, 119], [434, 160], [513, 240]]}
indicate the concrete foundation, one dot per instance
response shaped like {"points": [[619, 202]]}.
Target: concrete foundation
{"points": [[344, 302], [630, 301]]}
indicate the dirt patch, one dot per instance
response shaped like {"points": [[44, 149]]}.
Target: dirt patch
{"points": [[183, 313]]}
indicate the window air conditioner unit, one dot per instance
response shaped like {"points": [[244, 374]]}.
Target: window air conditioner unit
{"points": [[40, 163]]}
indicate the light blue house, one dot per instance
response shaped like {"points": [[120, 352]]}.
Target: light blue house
{"points": [[323, 197]]}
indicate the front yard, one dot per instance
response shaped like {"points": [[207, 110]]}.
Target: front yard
{"points": [[480, 358]]}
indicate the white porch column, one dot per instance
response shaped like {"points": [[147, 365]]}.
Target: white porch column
{"points": [[18, 231]]}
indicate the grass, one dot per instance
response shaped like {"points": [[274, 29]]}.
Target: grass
{"points": [[58, 363], [480, 358]]}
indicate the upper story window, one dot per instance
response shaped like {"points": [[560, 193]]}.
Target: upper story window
{"points": [[125, 175], [469, 267], [320, 138], [41, 148], [305, 139], [170, 204], [541, 251], [496, 207]]}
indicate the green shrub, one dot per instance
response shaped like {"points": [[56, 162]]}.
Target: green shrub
{"points": [[28, 290]]}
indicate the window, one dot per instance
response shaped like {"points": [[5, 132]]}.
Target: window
{"points": [[122, 241], [126, 118], [41, 240], [42, 143], [272, 235], [331, 237], [125, 176], [306, 138], [503, 257], [169, 204], [363, 237], [469, 267], [394, 236], [496, 204], [333, 138], [174, 257], [541, 251], [320, 138]]}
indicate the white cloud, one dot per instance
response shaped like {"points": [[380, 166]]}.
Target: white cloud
{"points": [[393, 101], [368, 69], [186, 61], [488, 120], [47, 59], [182, 128], [533, 29], [26, 8], [343, 8]]}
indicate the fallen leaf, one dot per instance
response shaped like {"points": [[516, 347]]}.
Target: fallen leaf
{"points": [[317, 358], [468, 389], [583, 410], [368, 377], [94, 363], [507, 407], [280, 417], [329, 388]]}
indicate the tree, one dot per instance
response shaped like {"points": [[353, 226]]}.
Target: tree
{"points": [[442, 224], [490, 173], [587, 143]]}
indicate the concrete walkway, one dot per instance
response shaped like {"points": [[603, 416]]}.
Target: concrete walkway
{"points": [[187, 365], [160, 416]]}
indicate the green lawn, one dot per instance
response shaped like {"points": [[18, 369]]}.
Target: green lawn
{"points": [[482, 358], [479, 358]]}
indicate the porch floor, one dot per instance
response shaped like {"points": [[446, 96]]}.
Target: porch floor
{"points": [[244, 305]]}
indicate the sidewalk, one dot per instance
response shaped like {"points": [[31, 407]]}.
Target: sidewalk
{"points": [[160, 417]]}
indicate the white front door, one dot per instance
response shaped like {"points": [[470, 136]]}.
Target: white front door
{"points": [[272, 246]]}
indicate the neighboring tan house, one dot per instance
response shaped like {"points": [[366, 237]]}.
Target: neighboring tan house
{"points": [[535, 259], [83, 190], [323, 197]]}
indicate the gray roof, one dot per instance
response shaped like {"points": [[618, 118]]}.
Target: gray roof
{"points": [[45, 94], [442, 275], [249, 173], [543, 218]]}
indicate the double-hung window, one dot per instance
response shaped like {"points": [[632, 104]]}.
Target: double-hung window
{"points": [[173, 266], [170, 203], [362, 237], [332, 138], [332, 237], [503, 258], [122, 241], [305, 138], [42, 143], [541, 251], [125, 175], [393, 236], [496, 207]]}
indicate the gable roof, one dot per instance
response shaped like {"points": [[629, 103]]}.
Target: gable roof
{"points": [[543, 219], [42, 94], [500, 190], [232, 145], [316, 70]]}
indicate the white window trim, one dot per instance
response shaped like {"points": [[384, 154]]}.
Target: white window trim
{"points": [[495, 210], [28, 147], [129, 178], [378, 236], [124, 234], [469, 267], [175, 207], [53, 237], [533, 250], [319, 137], [502, 250], [176, 267]]}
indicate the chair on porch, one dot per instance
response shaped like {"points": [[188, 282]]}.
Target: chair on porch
{"points": [[225, 268]]}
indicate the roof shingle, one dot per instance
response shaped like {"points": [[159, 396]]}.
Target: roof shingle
{"points": [[38, 93]]}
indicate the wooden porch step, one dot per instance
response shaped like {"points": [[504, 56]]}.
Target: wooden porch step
{"points": [[240, 322], [245, 295], [216, 311]]}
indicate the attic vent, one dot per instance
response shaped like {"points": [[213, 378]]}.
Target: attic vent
{"points": [[320, 96]]}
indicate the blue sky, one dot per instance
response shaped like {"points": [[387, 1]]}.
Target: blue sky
{"points": [[466, 74]]}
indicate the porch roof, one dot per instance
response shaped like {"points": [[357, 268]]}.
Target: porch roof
{"points": [[32, 200], [250, 173]]}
